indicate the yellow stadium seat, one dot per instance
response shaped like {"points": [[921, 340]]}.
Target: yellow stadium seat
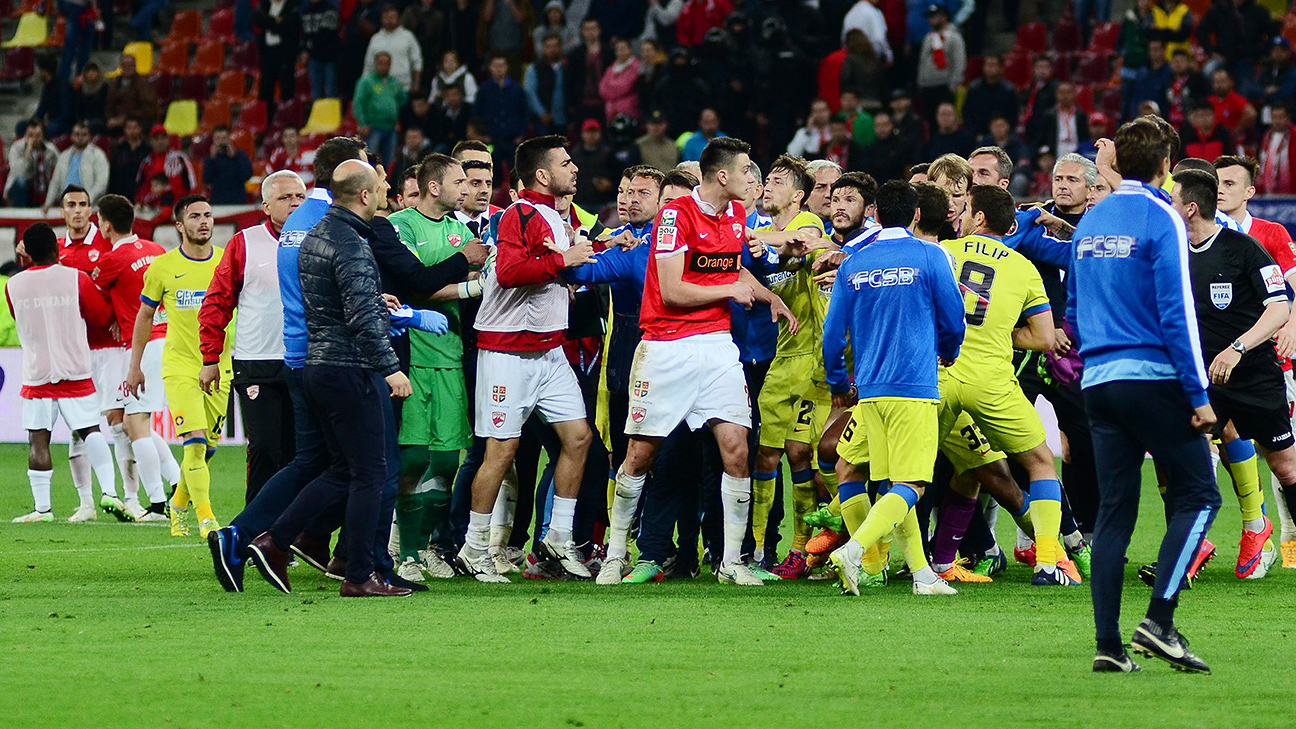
{"points": [[143, 53], [181, 118], [32, 32], [325, 117]]}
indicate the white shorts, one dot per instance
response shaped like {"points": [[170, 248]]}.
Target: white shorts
{"points": [[109, 375], [510, 385], [692, 380], [78, 412], [153, 398]]}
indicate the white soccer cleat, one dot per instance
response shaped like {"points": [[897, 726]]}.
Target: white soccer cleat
{"points": [[613, 569], [35, 517], [134, 510], [479, 564], [410, 570], [502, 563], [939, 587], [846, 562], [152, 517], [737, 573], [565, 554], [83, 514], [112, 505], [434, 565]]}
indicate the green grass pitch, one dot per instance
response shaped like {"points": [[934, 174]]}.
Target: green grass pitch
{"points": [[108, 625]]}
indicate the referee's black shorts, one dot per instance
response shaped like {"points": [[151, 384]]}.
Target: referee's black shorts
{"points": [[1258, 413]]}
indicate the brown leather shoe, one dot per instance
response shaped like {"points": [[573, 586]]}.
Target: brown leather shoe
{"points": [[311, 551], [271, 562], [372, 587], [336, 569]]}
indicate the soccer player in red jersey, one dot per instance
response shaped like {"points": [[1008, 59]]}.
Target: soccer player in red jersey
{"points": [[686, 369], [120, 275]]}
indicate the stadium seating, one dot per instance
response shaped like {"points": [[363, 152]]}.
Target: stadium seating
{"points": [[191, 86], [186, 27], [142, 51], [974, 66], [162, 86], [181, 117], [231, 85], [253, 116], [19, 66], [209, 59], [31, 32], [58, 36], [217, 112], [246, 141], [1105, 37], [1066, 36], [1093, 68], [173, 59], [1017, 69], [1032, 37], [302, 85], [245, 58], [325, 117], [288, 114], [220, 26]]}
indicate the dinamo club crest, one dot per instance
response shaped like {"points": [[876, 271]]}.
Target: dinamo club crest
{"points": [[497, 418], [637, 414]]}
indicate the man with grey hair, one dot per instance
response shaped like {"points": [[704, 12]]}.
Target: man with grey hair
{"points": [[825, 173], [248, 278]]}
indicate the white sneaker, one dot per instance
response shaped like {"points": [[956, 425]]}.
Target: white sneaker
{"points": [[565, 554], [738, 573], [410, 570], [434, 565], [846, 560], [613, 569], [515, 555], [151, 517], [134, 510], [83, 514], [939, 587], [35, 517], [480, 565], [502, 564]]}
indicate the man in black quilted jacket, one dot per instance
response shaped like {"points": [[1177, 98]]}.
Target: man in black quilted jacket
{"points": [[350, 369]]}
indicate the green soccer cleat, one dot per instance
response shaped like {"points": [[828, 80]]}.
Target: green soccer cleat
{"points": [[761, 573], [824, 519], [114, 507], [991, 566], [644, 571], [1083, 558], [878, 580]]}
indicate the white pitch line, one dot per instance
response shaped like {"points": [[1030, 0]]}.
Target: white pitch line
{"points": [[111, 549]]}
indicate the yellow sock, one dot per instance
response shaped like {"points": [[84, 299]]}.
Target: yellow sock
{"points": [[803, 502], [1245, 474], [611, 493], [875, 559], [198, 477], [854, 505], [834, 506], [762, 502], [911, 541], [828, 472], [180, 499], [1046, 516], [885, 515]]}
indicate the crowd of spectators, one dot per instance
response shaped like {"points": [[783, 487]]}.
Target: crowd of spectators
{"points": [[873, 85]]}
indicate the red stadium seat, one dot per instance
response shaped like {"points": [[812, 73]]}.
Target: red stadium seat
{"points": [[246, 141], [62, 142], [253, 116], [302, 85], [191, 86], [1093, 68], [220, 26], [19, 66], [1105, 36], [1063, 65], [104, 142], [186, 27], [289, 114], [1032, 37], [974, 66], [1066, 36], [173, 58], [1085, 97], [163, 85], [59, 34], [1017, 69], [245, 58], [209, 59], [200, 144], [231, 85], [217, 112]]}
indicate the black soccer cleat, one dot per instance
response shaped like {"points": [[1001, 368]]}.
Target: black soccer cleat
{"points": [[1151, 639], [225, 559], [1147, 573], [1111, 662]]}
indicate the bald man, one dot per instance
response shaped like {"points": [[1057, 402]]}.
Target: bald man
{"points": [[350, 372]]}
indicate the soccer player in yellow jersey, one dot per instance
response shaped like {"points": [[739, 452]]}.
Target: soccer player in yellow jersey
{"points": [[794, 401], [1000, 287], [177, 282]]}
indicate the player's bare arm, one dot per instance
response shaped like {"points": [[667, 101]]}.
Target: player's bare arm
{"points": [[1275, 316], [1038, 335], [139, 338], [778, 310], [1286, 337]]}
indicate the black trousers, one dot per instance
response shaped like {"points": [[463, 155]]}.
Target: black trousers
{"points": [[670, 498], [347, 401], [1079, 477], [1129, 419], [277, 66], [267, 411]]}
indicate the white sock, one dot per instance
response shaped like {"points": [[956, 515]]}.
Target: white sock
{"points": [[40, 487], [735, 498], [621, 515], [101, 462], [170, 468], [1073, 540], [993, 551], [505, 503], [150, 470], [924, 576], [478, 536], [1024, 540], [562, 517], [80, 467], [1288, 527], [125, 456]]}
